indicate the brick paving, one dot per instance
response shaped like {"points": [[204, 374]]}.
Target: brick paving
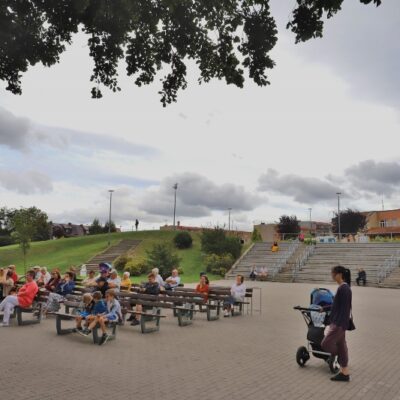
{"points": [[251, 357]]}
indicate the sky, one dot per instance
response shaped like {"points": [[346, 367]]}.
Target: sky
{"points": [[328, 122]]}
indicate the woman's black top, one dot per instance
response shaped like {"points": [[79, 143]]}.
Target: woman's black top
{"points": [[340, 314]]}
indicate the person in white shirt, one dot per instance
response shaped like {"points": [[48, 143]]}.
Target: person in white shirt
{"points": [[263, 273], [44, 276], [173, 281], [114, 281], [159, 279], [238, 293]]}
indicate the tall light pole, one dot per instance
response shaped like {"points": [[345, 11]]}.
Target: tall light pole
{"points": [[175, 187], [310, 210], [229, 218], [109, 218], [338, 215]]}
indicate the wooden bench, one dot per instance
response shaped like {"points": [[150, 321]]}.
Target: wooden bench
{"points": [[60, 317]]}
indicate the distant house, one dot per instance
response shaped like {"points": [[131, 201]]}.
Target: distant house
{"points": [[383, 223], [69, 230]]}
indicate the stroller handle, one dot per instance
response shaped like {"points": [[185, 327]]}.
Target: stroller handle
{"points": [[304, 309]]}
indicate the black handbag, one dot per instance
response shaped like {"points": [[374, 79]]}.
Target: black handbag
{"points": [[351, 327]]}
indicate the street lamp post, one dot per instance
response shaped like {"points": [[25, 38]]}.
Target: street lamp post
{"points": [[229, 219], [338, 215], [175, 187], [310, 210], [109, 218]]}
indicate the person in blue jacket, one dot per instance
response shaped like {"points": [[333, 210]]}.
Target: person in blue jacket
{"points": [[65, 286]]}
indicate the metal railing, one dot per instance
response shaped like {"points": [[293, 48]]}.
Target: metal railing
{"points": [[302, 260], [388, 266], [282, 261]]}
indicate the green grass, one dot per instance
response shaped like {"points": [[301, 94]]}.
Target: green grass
{"points": [[63, 253]]}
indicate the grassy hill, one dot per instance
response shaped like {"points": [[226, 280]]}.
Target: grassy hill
{"points": [[63, 253]]}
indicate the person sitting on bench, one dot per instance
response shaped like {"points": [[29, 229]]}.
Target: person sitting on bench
{"points": [[44, 277], [151, 287], [84, 310], [253, 273], [14, 276], [66, 286], [90, 280], [6, 283], [102, 286], [362, 277], [113, 314], [126, 283], [114, 281], [159, 278], [203, 288], [263, 273], [238, 293], [99, 308], [54, 281], [24, 298], [173, 281]]}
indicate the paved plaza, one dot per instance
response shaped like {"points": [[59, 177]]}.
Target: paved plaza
{"points": [[250, 357]]}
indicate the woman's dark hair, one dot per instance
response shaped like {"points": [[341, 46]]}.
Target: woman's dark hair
{"points": [[241, 278], [206, 279], [346, 274]]}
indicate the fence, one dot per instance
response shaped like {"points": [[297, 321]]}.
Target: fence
{"points": [[388, 266], [302, 260], [281, 261]]}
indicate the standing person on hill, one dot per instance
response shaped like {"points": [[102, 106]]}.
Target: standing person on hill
{"points": [[340, 321], [24, 298], [137, 224]]}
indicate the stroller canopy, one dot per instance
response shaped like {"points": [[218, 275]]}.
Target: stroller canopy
{"points": [[321, 297]]}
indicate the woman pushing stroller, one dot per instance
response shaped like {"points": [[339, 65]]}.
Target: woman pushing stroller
{"points": [[334, 341]]}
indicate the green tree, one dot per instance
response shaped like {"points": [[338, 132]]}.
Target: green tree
{"points": [[24, 229], [113, 227], [95, 228], [162, 257], [256, 235], [183, 240], [215, 241], [289, 226], [351, 221], [224, 38]]}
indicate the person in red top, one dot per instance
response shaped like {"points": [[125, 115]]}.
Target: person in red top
{"points": [[203, 287], [14, 276], [24, 298]]}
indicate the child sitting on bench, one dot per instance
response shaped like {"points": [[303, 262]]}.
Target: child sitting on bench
{"points": [[85, 309], [99, 308]]}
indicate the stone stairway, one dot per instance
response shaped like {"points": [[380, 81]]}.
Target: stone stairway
{"points": [[393, 280], [368, 256], [111, 253], [260, 255]]}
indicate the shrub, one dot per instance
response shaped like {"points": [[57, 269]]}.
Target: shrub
{"points": [[183, 240], [120, 262], [137, 268], [215, 241], [162, 257], [218, 265], [6, 240], [256, 236], [180, 271]]}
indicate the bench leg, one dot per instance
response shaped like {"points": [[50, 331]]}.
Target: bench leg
{"points": [[185, 317], [213, 311], [149, 324], [35, 318], [60, 330]]}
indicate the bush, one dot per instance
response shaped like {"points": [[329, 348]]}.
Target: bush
{"points": [[215, 241], [6, 240], [162, 257], [183, 240], [180, 271], [256, 236], [120, 262], [137, 268], [218, 265]]}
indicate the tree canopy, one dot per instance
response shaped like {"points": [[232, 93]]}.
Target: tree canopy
{"points": [[224, 38], [351, 222], [288, 226]]}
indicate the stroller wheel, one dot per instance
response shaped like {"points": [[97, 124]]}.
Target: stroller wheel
{"points": [[302, 356], [333, 365]]}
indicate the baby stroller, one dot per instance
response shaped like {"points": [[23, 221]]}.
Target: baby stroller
{"points": [[316, 322]]}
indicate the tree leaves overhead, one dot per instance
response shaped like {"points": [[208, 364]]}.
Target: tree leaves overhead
{"points": [[225, 38]]}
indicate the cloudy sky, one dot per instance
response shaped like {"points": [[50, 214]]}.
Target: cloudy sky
{"points": [[329, 122]]}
